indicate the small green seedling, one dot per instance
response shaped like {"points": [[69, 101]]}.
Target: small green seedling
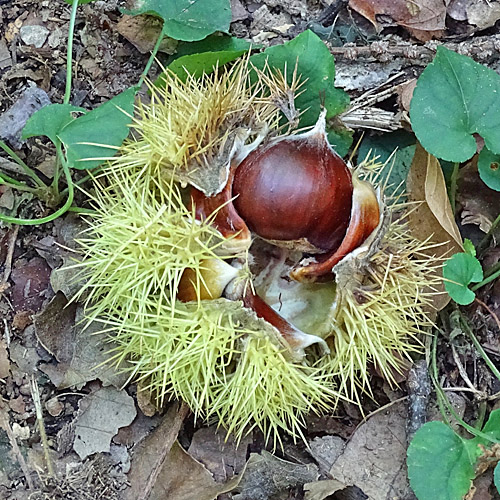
{"points": [[459, 272], [463, 269], [454, 99]]}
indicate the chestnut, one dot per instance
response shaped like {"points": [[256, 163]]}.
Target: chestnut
{"points": [[295, 192]]}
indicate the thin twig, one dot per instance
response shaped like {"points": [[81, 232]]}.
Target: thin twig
{"points": [[483, 48], [5, 424], [6, 331], [379, 410], [485, 241], [479, 347], [495, 317], [8, 260], [463, 373], [35, 394]]}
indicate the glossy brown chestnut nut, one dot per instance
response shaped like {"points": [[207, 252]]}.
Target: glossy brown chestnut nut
{"points": [[295, 192]]}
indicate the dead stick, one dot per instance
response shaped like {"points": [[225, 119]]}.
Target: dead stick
{"points": [[35, 394], [8, 259], [5, 424], [484, 49]]}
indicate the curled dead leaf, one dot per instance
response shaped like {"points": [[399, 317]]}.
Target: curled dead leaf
{"points": [[424, 19], [432, 218]]}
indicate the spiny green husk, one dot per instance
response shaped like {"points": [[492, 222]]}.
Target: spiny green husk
{"points": [[382, 320], [207, 352], [216, 355]]}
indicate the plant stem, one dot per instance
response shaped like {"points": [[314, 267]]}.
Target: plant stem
{"points": [[83, 179], [81, 210], [69, 59], [29, 172], [55, 181], [443, 401], [478, 346], [492, 269], [56, 214], [488, 235], [453, 186], [161, 36], [6, 181], [487, 280]]}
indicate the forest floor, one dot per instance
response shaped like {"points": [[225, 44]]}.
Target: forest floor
{"points": [[103, 439]]}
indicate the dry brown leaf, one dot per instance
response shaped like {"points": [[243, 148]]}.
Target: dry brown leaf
{"points": [[31, 283], [320, 490], [479, 202], [161, 468], [82, 349], [219, 452], [142, 32], [436, 197], [374, 459], [100, 415], [145, 399], [423, 18], [405, 93], [432, 217], [267, 476], [483, 13]]}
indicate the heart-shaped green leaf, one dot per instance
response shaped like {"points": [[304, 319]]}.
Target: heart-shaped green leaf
{"points": [[439, 464], [456, 97], [50, 120], [187, 19], [316, 65], [491, 428], [489, 168], [459, 272], [197, 58], [93, 137], [496, 477]]}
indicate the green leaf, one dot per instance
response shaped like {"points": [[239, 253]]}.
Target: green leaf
{"points": [[401, 145], [491, 428], [98, 133], [187, 20], [469, 247], [314, 63], [439, 465], [456, 97], [459, 272], [496, 477], [489, 168], [50, 120], [340, 138], [80, 1], [217, 42], [210, 52]]}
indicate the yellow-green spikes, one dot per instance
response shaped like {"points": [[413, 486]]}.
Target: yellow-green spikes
{"points": [[193, 127], [381, 320], [139, 243], [269, 392]]}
